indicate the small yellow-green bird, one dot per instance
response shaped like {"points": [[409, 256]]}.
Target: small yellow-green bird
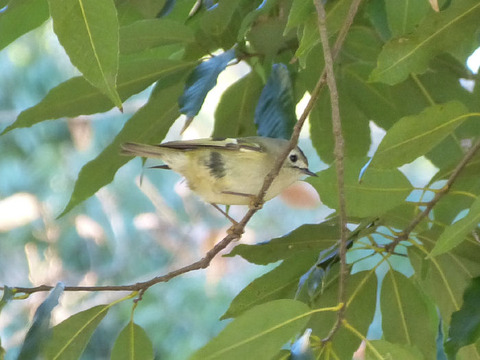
{"points": [[227, 171]]}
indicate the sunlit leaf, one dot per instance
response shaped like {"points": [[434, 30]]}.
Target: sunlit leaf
{"points": [[235, 112], [132, 344], [246, 336], [40, 331], [378, 191], [88, 30], [413, 136], [32, 13], [275, 111], [201, 81], [407, 316], [149, 125], [439, 32], [78, 97], [381, 349], [310, 238], [465, 323], [280, 283], [457, 233], [70, 337], [146, 34]]}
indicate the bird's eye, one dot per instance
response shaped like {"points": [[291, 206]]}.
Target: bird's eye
{"points": [[293, 158]]}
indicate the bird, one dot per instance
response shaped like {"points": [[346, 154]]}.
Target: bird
{"points": [[228, 171]]}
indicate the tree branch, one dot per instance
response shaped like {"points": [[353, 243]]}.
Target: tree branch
{"points": [[440, 193]]}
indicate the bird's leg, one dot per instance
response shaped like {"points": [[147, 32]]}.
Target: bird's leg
{"points": [[253, 199], [234, 222]]}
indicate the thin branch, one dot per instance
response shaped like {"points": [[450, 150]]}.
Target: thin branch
{"points": [[339, 152], [438, 195]]}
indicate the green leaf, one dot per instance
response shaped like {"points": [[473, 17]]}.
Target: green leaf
{"points": [[378, 191], [235, 112], [280, 283], [439, 32], [263, 9], [444, 278], [275, 111], [457, 232], [413, 136], [40, 331], [381, 349], [258, 333], [407, 317], [299, 11], [78, 97], [147, 34], [71, 336], [216, 20], [88, 30], [360, 303], [8, 295], [306, 238], [149, 125], [465, 323], [20, 17], [132, 343], [404, 16], [201, 81]]}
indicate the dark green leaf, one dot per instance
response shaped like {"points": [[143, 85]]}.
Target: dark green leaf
{"points": [[465, 323], [381, 349], [275, 111], [248, 20], [457, 232], [235, 112], [70, 337], [78, 97], [216, 20], [132, 344], [88, 30], [404, 16], [408, 318], [40, 331], [146, 34], [149, 125], [413, 136], [439, 32], [201, 81], [379, 190], [32, 13], [246, 336], [280, 283], [310, 238]]}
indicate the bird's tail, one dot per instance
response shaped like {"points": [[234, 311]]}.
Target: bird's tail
{"points": [[133, 149]]}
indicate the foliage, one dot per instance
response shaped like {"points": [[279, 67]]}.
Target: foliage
{"points": [[401, 67]]}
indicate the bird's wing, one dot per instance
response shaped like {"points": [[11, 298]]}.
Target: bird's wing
{"points": [[219, 144]]}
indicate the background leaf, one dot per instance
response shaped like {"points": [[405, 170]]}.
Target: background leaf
{"points": [[132, 343], [246, 336], [386, 350], [88, 30]]}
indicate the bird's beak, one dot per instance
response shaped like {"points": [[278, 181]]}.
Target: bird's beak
{"points": [[309, 173]]}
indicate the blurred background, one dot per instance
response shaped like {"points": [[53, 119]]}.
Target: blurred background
{"points": [[144, 224]]}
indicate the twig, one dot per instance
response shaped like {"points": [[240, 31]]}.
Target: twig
{"points": [[339, 165], [404, 235]]}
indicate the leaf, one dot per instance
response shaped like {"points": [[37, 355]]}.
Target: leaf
{"points": [[216, 20], [78, 97], [381, 349], [263, 9], [439, 32], [407, 317], [404, 16], [32, 13], [88, 30], [235, 111], [275, 111], [71, 336], [379, 190], [299, 11], [306, 238], [8, 295], [457, 232], [146, 126], [147, 34], [132, 343], [465, 324], [413, 136], [201, 81], [39, 333], [246, 336], [279, 283]]}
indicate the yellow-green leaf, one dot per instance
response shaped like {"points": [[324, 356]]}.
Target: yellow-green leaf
{"points": [[132, 344]]}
